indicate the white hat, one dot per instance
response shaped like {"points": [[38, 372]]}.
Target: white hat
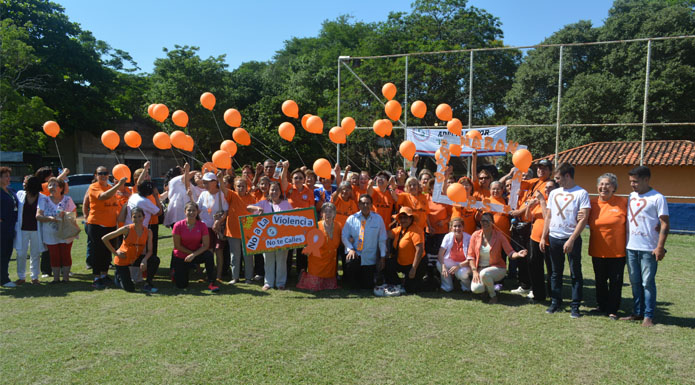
{"points": [[209, 177]]}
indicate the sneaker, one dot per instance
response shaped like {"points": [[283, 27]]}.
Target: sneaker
{"points": [[10, 284], [400, 289], [552, 309], [393, 291], [98, 284], [380, 291], [265, 287], [257, 277], [213, 288], [149, 289], [45, 275], [117, 283], [107, 281], [233, 282], [521, 291], [35, 282], [498, 287], [19, 282], [574, 313], [530, 295]]}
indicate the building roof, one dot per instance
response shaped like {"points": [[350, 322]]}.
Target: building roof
{"points": [[656, 153]]}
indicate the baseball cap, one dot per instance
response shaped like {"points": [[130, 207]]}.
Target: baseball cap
{"points": [[209, 177]]}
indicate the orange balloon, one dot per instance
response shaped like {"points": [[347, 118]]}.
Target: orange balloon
{"points": [[473, 134], [161, 141], [208, 167], [290, 108], [51, 128], [160, 112], [222, 159], [110, 139], [337, 135], [393, 110], [522, 159], [207, 99], [455, 149], [229, 146], [132, 139], [454, 126], [383, 127], [314, 125], [241, 136], [232, 117], [348, 125], [190, 143], [150, 110], [178, 139], [407, 149], [418, 109], [286, 131], [389, 91], [120, 171], [180, 118], [456, 192], [304, 119], [322, 168], [443, 112]]}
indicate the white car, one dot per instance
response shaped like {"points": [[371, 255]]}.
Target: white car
{"points": [[79, 183]]}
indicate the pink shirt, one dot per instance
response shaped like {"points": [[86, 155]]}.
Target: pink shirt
{"points": [[190, 239]]}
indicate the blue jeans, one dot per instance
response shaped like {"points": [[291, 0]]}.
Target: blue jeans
{"points": [[641, 265], [557, 260]]}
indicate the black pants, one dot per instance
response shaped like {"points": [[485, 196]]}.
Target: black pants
{"points": [[45, 263], [521, 234], [302, 261], [538, 282], [6, 248], [152, 266], [609, 283], [258, 265], [357, 276], [411, 285], [101, 256], [122, 276], [182, 268], [155, 239]]}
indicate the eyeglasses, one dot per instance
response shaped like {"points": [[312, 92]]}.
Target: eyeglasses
{"points": [[103, 173]]}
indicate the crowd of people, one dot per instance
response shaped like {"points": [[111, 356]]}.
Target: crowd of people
{"points": [[384, 233]]}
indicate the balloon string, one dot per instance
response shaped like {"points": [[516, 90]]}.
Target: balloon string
{"points": [[201, 153], [58, 150], [174, 155], [300, 157], [116, 156], [266, 146], [143, 154], [217, 124], [328, 154], [190, 156], [237, 163]]}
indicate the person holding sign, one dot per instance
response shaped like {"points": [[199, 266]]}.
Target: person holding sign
{"points": [[275, 261], [238, 200], [322, 269], [191, 248], [565, 218]]}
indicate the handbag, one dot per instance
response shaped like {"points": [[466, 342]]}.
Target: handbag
{"points": [[68, 227]]}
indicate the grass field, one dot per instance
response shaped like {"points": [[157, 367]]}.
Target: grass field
{"points": [[71, 333]]}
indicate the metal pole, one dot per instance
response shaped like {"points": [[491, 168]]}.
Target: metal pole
{"points": [[646, 100], [337, 146], [470, 105], [405, 116], [559, 99]]}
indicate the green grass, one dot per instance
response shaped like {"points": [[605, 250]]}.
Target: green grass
{"points": [[72, 333]]}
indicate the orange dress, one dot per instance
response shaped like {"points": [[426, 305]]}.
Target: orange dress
{"points": [[322, 270], [343, 209]]}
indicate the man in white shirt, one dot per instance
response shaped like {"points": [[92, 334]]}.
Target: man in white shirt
{"points": [[565, 217], [648, 225], [364, 238]]}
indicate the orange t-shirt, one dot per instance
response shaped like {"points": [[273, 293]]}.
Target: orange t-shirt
{"points": [[101, 212], [502, 220], [133, 246], [468, 216], [538, 223], [300, 199], [439, 215], [382, 204], [528, 188], [420, 206], [480, 193], [343, 209], [122, 197], [357, 191], [325, 266], [607, 227], [412, 237], [237, 208]]}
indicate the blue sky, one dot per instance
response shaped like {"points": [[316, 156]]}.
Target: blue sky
{"points": [[255, 30]]}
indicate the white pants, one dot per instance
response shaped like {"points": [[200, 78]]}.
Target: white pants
{"points": [[488, 276], [235, 250], [29, 238], [275, 268], [463, 274]]}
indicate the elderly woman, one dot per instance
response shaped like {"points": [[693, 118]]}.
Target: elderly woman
{"points": [[322, 269], [414, 198], [8, 219], [607, 220], [344, 203], [452, 260], [50, 213], [28, 237], [408, 252], [485, 252]]}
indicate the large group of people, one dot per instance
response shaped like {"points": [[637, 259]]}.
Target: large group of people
{"points": [[386, 234]]}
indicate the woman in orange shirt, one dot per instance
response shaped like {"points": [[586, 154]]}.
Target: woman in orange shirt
{"points": [[607, 241], [322, 270], [344, 204], [101, 221], [408, 252], [438, 215], [135, 251], [238, 200], [414, 199], [466, 214], [534, 209]]}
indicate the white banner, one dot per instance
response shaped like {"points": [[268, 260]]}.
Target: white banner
{"points": [[427, 141]]}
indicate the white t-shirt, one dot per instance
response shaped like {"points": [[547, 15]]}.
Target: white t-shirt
{"points": [[178, 199], [150, 209], [643, 212], [448, 243], [209, 204], [564, 205], [49, 230]]}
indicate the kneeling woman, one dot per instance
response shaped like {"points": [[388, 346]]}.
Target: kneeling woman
{"points": [[485, 253], [191, 244], [452, 260], [135, 251], [408, 250], [322, 270]]}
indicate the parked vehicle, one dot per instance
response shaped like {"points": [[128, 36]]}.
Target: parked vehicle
{"points": [[79, 183]]}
